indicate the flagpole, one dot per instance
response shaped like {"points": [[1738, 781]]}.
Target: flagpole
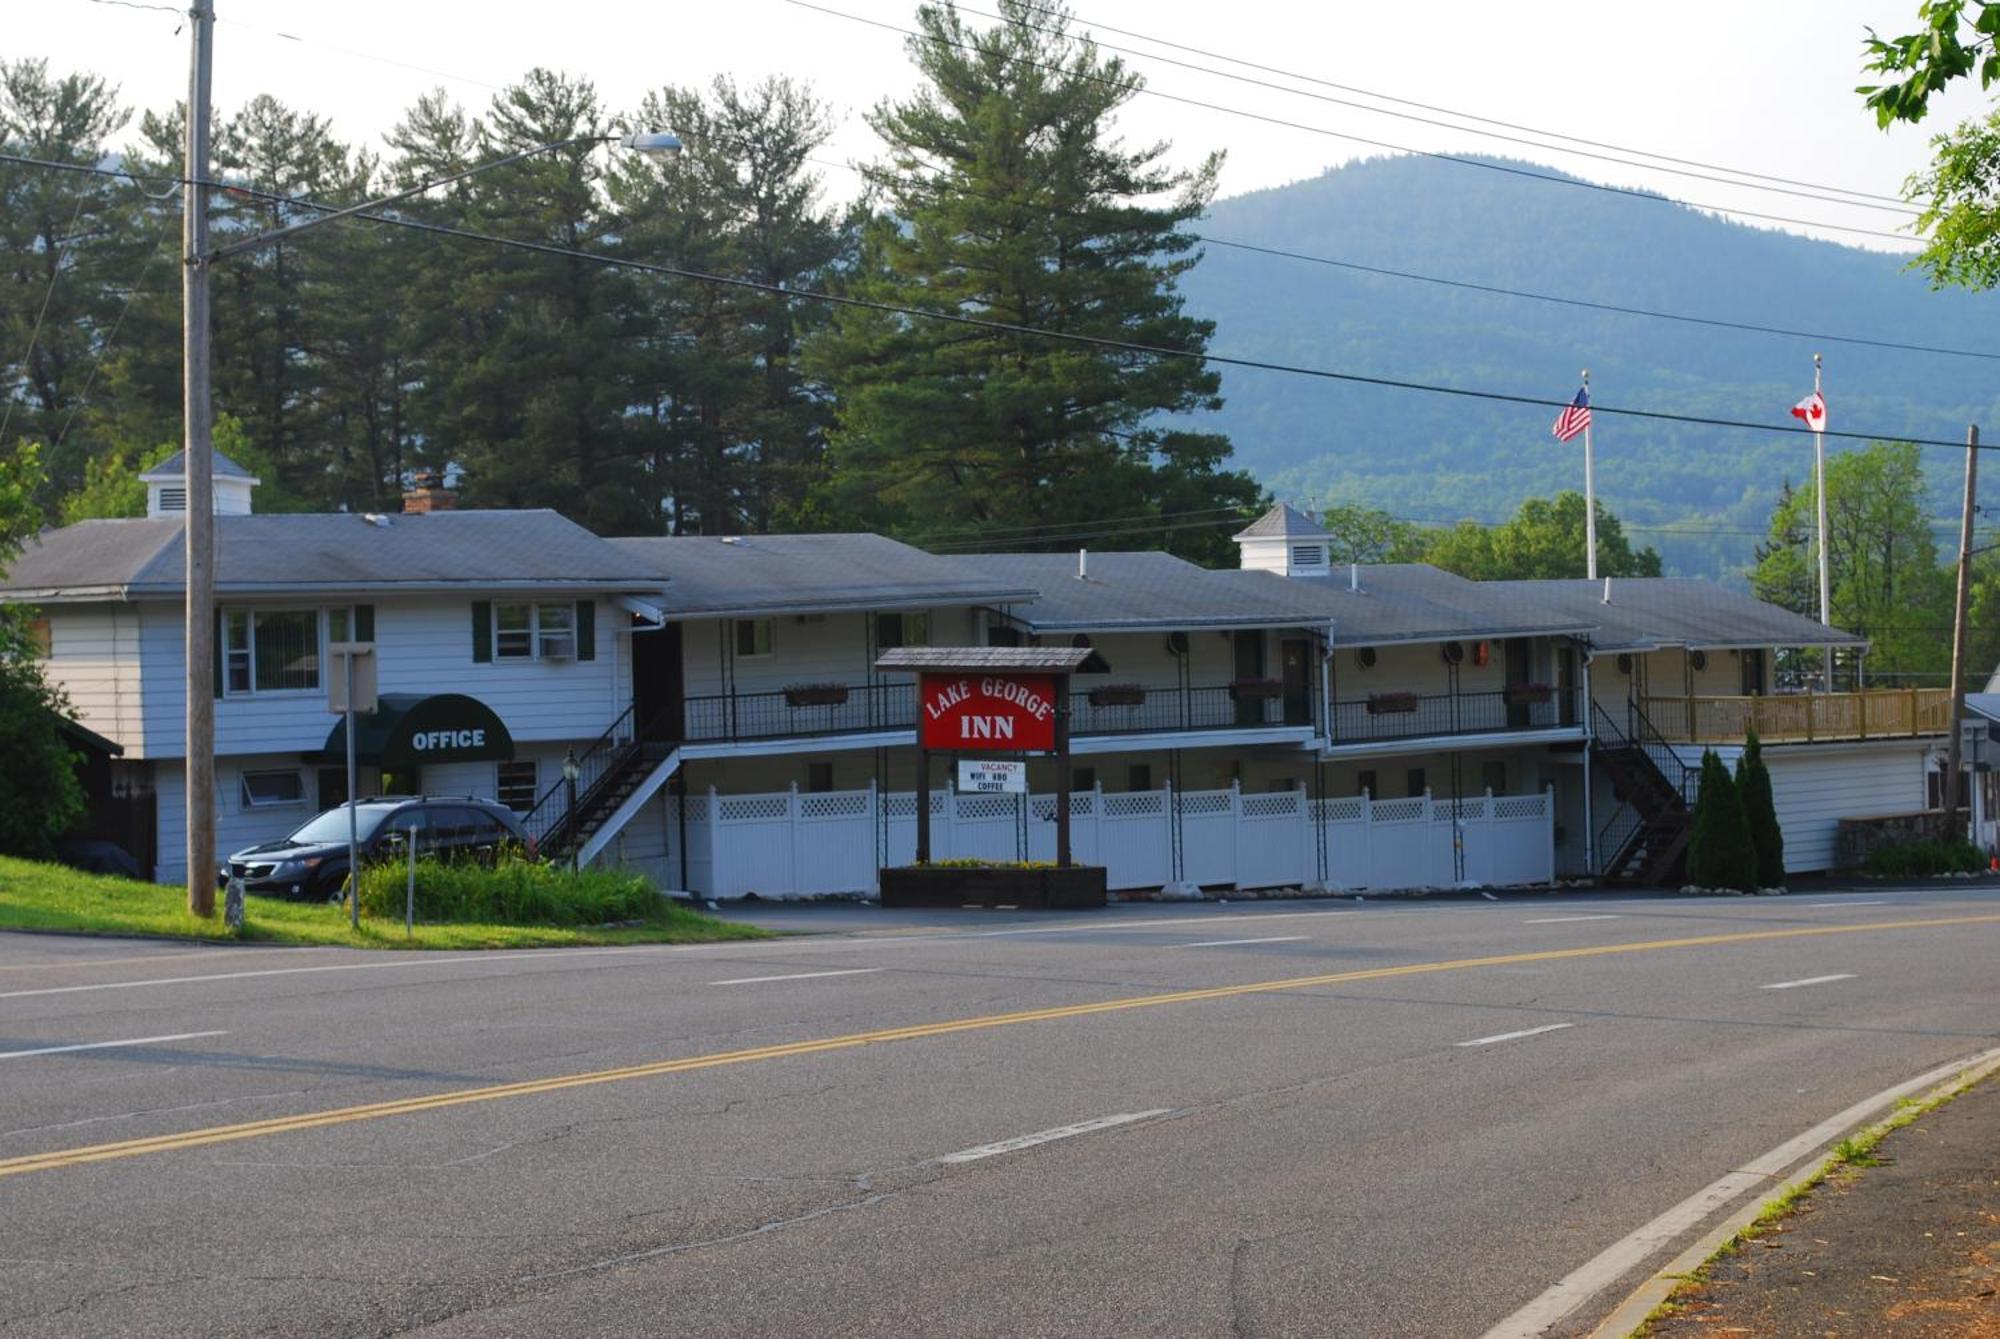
{"points": [[1819, 492], [1589, 496]]}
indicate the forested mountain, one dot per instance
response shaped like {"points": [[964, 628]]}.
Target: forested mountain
{"points": [[1444, 457]]}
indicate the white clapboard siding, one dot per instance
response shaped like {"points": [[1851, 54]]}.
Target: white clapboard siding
{"points": [[94, 658], [1816, 785], [423, 646]]}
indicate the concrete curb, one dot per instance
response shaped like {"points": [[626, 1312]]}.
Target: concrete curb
{"points": [[1625, 1320]]}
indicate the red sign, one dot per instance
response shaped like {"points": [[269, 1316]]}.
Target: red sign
{"points": [[977, 713]]}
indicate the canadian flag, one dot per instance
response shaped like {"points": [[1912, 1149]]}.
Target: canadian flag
{"points": [[1813, 410]]}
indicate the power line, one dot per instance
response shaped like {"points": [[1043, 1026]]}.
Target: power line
{"points": [[1718, 323], [1482, 164], [1014, 328], [1898, 207], [1468, 116]]}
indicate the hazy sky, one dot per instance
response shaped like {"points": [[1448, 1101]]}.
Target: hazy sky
{"points": [[1761, 87]]}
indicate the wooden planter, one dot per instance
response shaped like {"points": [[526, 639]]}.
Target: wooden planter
{"points": [[947, 886], [1526, 694], [1118, 695], [816, 695], [1256, 690], [1391, 704]]}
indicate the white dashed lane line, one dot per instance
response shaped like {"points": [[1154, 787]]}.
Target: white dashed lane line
{"points": [[108, 1045], [1020, 1142], [1808, 981], [1225, 943], [794, 976], [1516, 1036], [1562, 920]]}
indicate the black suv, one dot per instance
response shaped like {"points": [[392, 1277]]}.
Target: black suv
{"points": [[311, 863]]}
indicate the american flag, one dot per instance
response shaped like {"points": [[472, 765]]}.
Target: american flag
{"points": [[1575, 418]]}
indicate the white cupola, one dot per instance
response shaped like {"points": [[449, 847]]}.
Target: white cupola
{"points": [[166, 486], [1286, 541]]}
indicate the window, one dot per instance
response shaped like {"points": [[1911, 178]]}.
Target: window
{"points": [[1001, 635], [273, 790], [1366, 783], [270, 651], [1493, 777], [819, 777], [1413, 783], [351, 623], [1083, 778], [1308, 555], [1139, 776], [893, 630], [514, 784], [753, 636], [534, 632]]}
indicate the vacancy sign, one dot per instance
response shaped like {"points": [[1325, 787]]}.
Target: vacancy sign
{"points": [[991, 713], [992, 778]]}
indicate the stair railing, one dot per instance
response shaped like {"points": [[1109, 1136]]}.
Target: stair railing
{"points": [[552, 823]]}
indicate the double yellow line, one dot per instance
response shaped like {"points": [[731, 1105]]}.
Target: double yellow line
{"points": [[225, 1134]]}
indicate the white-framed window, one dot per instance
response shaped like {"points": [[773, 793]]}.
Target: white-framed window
{"points": [[534, 632], [753, 637], [270, 651], [514, 784], [340, 624], [275, 789]]}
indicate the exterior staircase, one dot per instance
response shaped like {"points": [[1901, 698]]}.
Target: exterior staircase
{"points": [[1646, 839], [615, 775]]}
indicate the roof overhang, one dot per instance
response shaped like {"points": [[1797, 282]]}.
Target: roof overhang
{"points": [[785, 607], [369, 590], [1492, 739], [984, 659], [1435, 636]]}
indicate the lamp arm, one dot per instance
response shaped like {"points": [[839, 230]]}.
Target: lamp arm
{"points": [[265, 238]]}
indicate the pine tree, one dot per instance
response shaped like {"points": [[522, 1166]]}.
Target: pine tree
{"points": [[1008, 199], [1760, 812], [1720, 854]]}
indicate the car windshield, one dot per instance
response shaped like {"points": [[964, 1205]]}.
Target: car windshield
{"points": [[331, 826]]}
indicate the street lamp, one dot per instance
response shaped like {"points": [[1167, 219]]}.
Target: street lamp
{"points": [[198, 445], [570, 773]]}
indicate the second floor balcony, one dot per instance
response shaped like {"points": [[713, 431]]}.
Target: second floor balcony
{"points": [[832, 709], [1801, 718], [1391, 716]]}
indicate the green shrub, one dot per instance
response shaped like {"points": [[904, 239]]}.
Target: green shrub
{"points": [[1760, 811], [513, 891], [1720, 854], [1910, 860], [973, 862]]}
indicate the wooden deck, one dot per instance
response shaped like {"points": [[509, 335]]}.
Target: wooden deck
{"points": [[1797, 718]]}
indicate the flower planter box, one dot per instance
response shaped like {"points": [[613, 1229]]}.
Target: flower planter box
{"points": [[1118, 695], [816, 695], [950, 886], [1527, 694], [1391, 704], [1256, 690]]}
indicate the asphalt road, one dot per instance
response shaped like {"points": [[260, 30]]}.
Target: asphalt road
{"points": [[1321, 1118]]}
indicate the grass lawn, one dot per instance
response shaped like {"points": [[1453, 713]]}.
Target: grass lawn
{"points": [[35, 896]]}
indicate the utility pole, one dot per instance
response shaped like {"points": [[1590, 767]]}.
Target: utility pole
{"points": [[1953, 745], [1825, 559], [198, 456]]}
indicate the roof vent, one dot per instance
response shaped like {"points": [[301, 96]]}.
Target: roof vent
{"points": [[732, 539], [376, 518], [1607, 590], [1083, 564]]}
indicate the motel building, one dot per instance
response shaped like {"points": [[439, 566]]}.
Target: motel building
{"points": [[1289, 723]]}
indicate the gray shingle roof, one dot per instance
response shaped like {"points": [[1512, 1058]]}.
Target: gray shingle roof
{"points": [[283, 553], [755, 575], [1157, 590], [1647, 612], [174, 466], [946, 659], [1282, 522]]}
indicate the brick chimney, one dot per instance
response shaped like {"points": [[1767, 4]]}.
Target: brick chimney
{"points": [[427, 493]]}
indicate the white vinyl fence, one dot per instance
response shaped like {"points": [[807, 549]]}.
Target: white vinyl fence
{"points": [[794, 844]]}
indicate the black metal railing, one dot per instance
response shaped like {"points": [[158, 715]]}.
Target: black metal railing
{"points": [[1392, 715], [817, 710], [553, 821], [1113, 711]]}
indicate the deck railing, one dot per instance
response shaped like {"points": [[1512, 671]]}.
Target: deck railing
{"points": [[1393, 715], [1803, 717]]}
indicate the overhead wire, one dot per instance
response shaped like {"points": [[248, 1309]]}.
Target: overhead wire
{"points": [[1286, 123], [1898, 207], [1093, 26], [1015, 328]]}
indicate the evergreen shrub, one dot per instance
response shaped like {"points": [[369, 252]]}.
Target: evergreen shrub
{"points": [[1720, 853], [1760, 811]]}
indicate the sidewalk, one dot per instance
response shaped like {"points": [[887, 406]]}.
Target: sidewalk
{"points": [[1906, 1248]]}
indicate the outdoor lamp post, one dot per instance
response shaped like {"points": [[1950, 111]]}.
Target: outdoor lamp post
{"points": [[570, 773], [197, 417]]}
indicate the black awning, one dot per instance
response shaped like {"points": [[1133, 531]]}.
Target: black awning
{"points": [[411, 729]]}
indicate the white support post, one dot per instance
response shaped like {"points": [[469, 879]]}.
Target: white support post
{"points": [[717, 884]]}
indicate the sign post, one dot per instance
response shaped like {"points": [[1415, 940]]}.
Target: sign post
{"points": [[349, 692]]}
